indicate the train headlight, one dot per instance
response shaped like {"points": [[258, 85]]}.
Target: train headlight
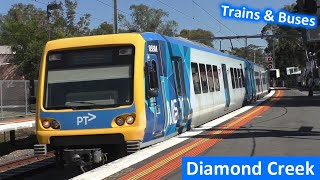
{"points": [[55, 124], [120, 121], [130, 119], [46, 124]]}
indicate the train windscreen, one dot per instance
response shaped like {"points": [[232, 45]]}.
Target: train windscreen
{"points": [[89, 78]]}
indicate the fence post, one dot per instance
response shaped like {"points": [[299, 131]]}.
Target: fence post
{"points": [[1, 103], [12, 137], [26, 96]]}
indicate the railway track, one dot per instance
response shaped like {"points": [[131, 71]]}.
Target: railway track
{"points": [[26, 165]]}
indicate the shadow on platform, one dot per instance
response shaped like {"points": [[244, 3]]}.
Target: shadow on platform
{"points": [[301, 133], [296, 101]]}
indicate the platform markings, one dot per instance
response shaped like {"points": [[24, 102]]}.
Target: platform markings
{"points": [[123, 163]]}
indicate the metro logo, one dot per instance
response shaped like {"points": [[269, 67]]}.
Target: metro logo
{"points": [[85, 119]]}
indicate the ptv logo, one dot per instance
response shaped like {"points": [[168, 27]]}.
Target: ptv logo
{"points": [[85, 119]]}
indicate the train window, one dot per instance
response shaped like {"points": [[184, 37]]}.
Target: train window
{"points": [[203, 76], [240, 79], [195, 77], [263, 78], [210, 78], [236, 77], [216, 78], [232, 78]]}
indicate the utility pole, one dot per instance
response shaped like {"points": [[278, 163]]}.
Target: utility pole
{"points": [[273, 53], [115, 17], [246, 44]]}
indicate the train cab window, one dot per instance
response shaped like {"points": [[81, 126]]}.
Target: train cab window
{"points": [[240, 79], [210, 78], [195, 77], [203, 76], [152, 80], [154, 76], [232, 78], [177, 77], [216, 78]]}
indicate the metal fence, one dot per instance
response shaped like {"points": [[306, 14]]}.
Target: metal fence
{"points": [[14, 95]]}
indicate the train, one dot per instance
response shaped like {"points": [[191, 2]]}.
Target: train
{"points": [[104, 97]]}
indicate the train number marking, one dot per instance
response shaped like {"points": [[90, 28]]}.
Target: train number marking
{"points": [[85, 119], [153, 48]]}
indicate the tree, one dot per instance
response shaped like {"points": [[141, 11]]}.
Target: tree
{"points": [[251, 52], [63, 21], [25, 29], [204, 35], [104, 28], [146, 19], [288, 51]]}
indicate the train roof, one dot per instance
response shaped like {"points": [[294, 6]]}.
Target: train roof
{"points": [[149, 36], [179, 40]]}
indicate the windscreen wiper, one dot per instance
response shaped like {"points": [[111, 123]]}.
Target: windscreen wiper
{"points": [[95, 105], [61, 107]]}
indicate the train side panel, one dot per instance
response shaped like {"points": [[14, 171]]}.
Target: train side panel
{"points": [[164, 120], [209, 105]]}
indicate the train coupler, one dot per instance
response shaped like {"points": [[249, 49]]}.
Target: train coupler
{"points": [[84, 157]]}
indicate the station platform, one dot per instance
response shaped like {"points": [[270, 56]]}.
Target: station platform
{"points": [[4, 122], [286, 123], [15, 124]]}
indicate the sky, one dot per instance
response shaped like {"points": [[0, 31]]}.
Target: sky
{"points": [[186, 12]]}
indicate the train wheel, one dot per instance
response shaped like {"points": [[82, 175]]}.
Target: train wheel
{"points": [[189, 125], [180, 130]]}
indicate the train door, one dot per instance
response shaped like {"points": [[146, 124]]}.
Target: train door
{"points": [[181, 94], [253, 83], [248, 80], [226, 85], [156, 104], [261, 81]]}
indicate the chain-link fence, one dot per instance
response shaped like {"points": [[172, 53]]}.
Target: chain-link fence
{"points": [[14, 96]]}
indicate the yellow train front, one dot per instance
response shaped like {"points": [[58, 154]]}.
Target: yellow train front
{"points": [[90, 101]]}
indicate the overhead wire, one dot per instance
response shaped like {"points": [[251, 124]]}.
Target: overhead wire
{"points": [[184, 14], [216, 19], [102, 2]]}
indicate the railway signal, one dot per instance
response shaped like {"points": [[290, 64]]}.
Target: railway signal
{"points": [[270, 59], [270, 66]]}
